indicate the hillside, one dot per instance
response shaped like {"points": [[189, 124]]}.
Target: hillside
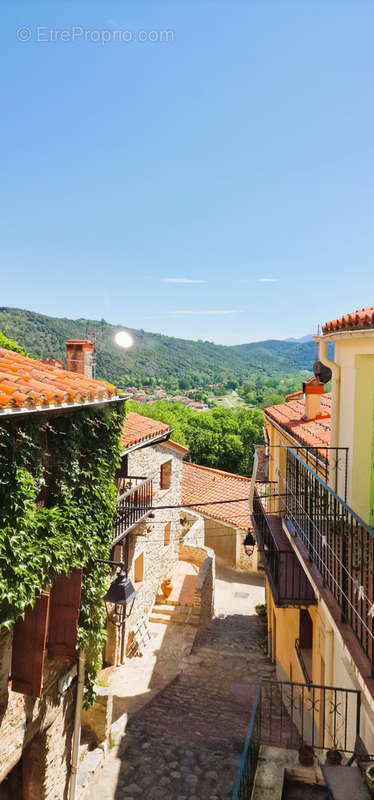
{"points": [[165, 358]]}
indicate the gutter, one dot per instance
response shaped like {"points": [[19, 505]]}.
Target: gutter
{"points": [[62, 408], [77, 727], [158, 439], [335, 408]]}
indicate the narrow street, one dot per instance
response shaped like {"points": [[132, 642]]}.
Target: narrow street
{"points": [[184, 741]]}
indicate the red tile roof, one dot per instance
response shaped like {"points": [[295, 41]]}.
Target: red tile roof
{"points": [[138, 429], [203, 484], [33, 385], [357, 320], [291, 416]]}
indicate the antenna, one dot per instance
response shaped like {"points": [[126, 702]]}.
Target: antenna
{"points": [[92, 335]]}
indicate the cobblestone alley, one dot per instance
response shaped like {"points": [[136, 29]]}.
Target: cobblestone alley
{"points": [[186, 742]]}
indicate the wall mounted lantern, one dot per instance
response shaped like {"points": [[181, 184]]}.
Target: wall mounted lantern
{"points": [[249, 543], [120, 597]]}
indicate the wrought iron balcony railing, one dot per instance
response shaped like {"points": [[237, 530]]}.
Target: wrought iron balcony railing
{"points": [[287, 715], [329, 463], [133, 505], [248, 765], [288, 581], [337, 542]]}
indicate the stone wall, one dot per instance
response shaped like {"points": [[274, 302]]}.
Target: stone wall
{"points": [[38, 730], [97, 719], [227, 543], [148, 538], [204, 591], [222, 539], [195, 534]]}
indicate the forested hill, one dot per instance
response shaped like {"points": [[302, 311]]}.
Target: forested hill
{"points": [[165, 358]]}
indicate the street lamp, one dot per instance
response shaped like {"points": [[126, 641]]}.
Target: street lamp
{"points": [[249, 543], [120, 597]]}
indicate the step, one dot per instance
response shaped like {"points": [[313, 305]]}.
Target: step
{"points": [[159, 618], [165, 618], [161, 600], [165, 609]]}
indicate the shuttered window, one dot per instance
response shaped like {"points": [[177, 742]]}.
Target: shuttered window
{"points": [[64, 614], [165, 475], [29, 638]]}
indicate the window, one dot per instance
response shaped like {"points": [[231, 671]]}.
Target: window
{"points": [[165, 475], [305, 630], [121, 475], [304, 645], [139, 568], [167, 531]]}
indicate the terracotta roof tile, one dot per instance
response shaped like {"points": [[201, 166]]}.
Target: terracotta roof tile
{"points": [[28, 384], [203, 484], [291, 416], [357, 320], [138, 429]]}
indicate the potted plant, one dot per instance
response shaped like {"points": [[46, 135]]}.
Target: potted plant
{"points": [[306, 755], [166, 587], [334, 757], [370, 779], [260, 609]]}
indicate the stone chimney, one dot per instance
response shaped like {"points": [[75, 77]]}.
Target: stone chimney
{"points": [[80, 356], [312, 392]]}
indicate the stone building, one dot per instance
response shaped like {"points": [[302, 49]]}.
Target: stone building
{"points": [[147, 535], [38, 659]]}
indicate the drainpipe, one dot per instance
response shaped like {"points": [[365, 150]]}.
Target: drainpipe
{"points": [[253, 482], [335, 410], [77, 727]]}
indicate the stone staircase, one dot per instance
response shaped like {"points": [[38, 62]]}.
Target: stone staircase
{"points": [[165, 611]]}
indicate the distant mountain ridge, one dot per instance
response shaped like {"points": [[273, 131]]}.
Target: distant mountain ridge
{"points": [[155, 355]]}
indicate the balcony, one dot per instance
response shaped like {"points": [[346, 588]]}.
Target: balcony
{"points": [[335, 544], [287, 715], [134, 503], [288, 581]]}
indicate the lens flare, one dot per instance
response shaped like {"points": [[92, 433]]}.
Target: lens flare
{"points": [[123, 339]]}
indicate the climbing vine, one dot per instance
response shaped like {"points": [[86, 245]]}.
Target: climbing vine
{"points": [[57, 504]]}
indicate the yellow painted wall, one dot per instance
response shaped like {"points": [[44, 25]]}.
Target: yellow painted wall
{"points": [[363, 437], [353, 426]]}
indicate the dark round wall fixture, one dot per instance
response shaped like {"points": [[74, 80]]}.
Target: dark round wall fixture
{"points": [[322, 372]]}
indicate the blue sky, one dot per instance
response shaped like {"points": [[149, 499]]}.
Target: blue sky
{"points": [[217, 185]]}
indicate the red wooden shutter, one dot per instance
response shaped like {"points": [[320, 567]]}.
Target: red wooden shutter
{"points": [[63, 618], [29, 638], [165, 481]]}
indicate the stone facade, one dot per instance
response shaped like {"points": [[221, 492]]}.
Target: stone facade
{"points": [[147, 539], [36, 733]]}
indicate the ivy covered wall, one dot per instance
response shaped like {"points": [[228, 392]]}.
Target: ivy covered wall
{"points": [[57, 504]]}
